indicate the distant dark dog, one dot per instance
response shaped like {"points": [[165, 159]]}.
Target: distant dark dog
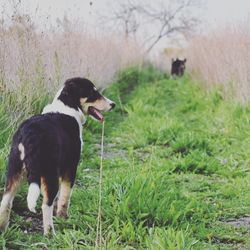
{"points": [[178, 67], [46, 148]]}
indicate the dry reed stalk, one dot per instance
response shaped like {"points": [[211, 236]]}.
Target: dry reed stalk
{"points": [[50, 57], [222, 59]]}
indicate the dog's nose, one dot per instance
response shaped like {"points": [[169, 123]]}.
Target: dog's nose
{"points": [[112, 105]]}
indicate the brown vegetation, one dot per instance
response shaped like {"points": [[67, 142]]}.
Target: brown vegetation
{"points": [[221, 59], [28, 54]]}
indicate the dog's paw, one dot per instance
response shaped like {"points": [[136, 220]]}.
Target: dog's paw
{"points": [[62, 214], [49, 231]]}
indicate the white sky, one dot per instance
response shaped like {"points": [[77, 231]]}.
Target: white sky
{"points": [[215, 11], [45, 12], [227, 11]]}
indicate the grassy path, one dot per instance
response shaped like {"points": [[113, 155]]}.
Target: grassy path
{"points": [[176, 174]]}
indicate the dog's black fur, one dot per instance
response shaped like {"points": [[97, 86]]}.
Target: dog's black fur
{"points": [[178, 67], [52, 149], [47, 147]]}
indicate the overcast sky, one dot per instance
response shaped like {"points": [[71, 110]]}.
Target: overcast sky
{"points": [[215, 12]]}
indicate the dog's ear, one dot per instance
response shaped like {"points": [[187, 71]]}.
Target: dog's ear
{"points": [[185, 59], [70, 88]]}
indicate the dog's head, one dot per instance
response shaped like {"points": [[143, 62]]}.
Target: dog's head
{"points": [[81, 93]]}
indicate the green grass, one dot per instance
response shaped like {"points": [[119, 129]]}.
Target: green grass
{"points": [[176, 169]]}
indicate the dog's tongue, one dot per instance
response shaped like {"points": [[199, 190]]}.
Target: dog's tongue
{"points": [[95, 113]]}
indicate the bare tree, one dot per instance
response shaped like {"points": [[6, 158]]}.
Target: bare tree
{"points": [[163, 19], [125, 15]]}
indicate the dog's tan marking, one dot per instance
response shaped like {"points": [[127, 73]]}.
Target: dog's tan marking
{"points": [[64, 199], [44, 190], [83, 100], [21, 149], [102, 104]]}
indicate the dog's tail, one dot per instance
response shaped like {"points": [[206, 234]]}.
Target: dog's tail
{"points": [[33, 195]]}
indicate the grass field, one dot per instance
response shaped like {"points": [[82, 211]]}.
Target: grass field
{"points": [[176, 171]]}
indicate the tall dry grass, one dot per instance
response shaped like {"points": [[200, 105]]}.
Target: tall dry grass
{"points": [[28, 54], [221, 59]]}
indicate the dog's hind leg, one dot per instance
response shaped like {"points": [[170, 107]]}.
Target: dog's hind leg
{"points": [[15, 173], [7, 200], [66, 186], [64, 198], [49, 189]]}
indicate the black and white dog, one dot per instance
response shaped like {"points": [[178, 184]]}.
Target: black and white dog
{"points": [[46, 148]]}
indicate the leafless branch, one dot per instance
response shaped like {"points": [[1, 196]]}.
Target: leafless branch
{"points": [[174, 18]]}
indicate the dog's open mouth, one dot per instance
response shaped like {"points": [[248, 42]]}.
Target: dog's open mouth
{"points": [[95, 113]]}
